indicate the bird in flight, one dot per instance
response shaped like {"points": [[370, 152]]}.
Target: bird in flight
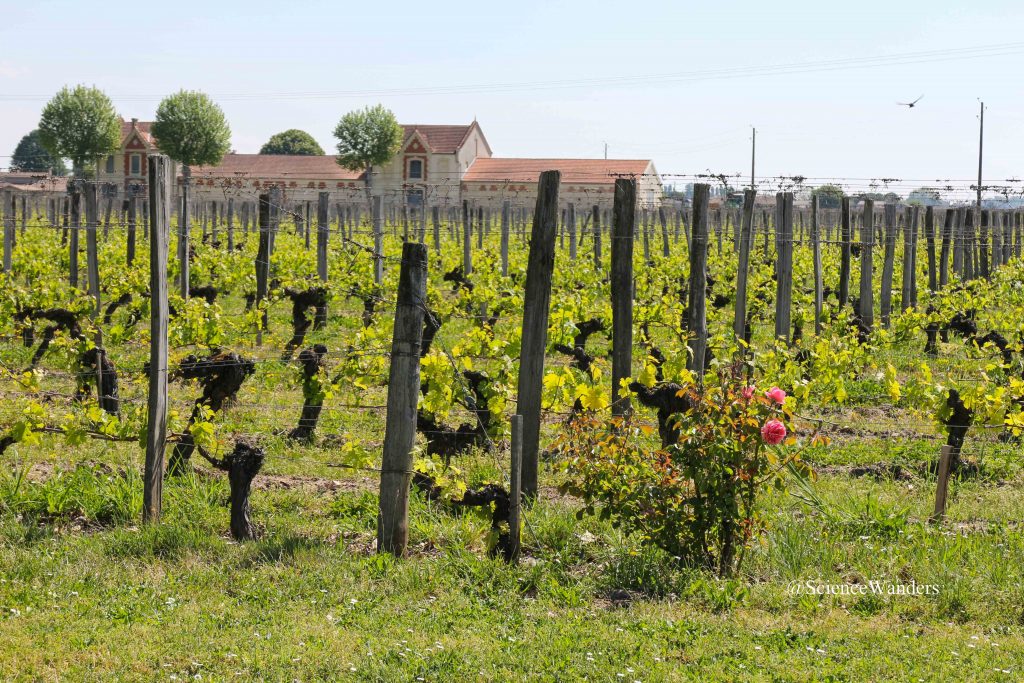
{"points": [[910, 105]]}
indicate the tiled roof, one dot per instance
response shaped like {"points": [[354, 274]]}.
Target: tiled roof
{"points": [[440, 139], [277, 166], [32, 181], [144, 131], [580, 171]]}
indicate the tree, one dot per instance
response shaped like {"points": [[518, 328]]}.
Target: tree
{"points": [[829, 196], [293, 141], [191, 129], [30, 155], [80, 124], [366, 138]]}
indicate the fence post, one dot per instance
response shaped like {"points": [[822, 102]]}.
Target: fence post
{"points": [[92, 221], [696, 322], [132, 227], [156, 425], [909, 262], [323, 226], [888, 264], [845, 235], [377, 210], [435, 218], [596, 213], [623, 230], [505, 207], [665, 251], [76, 225], [929, 235], [184, 220], [8, 208], [942, 484], [570, 223], [819, 293], [536, 305], [515, 489], [866, 311], [403, 393], [739, 322], [984, 267], [784, 264], [231, 224], [262, 261], [467, 238]]}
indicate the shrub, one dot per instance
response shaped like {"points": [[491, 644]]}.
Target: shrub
{"points": [[696, 497]]}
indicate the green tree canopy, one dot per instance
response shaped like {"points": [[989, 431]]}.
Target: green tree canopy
{"points": [[292, 141], [30, 155], [80, 124], [191, 129], [829, 196], [366, 138]]}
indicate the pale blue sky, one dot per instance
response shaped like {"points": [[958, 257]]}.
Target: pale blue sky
{"points": [[840, 122]]}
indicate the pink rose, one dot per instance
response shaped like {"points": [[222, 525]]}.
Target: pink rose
{"points": [[773, 432], [748, 393], [777, 395]]}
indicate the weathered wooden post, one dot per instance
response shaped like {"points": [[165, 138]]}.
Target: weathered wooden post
{"points": [[323, 227], [929, 235], [739, 322], [92, 221], [377, 216], [665, 250], [819, 289], [263, 261], [942, 484], [845, 235], [156, 424], [76, 226], [435, 218], [784, 265], [132, 227], [947, 235], [866, 309], [536, 304], [8, 208], [515, 486], [909, 261], [231, 224], [184, 218], [596, 219], [885, 301], [984, 269], [467, 238], [505, 207], [696, 321], [623, 230], [570, 224], [403, 393]]}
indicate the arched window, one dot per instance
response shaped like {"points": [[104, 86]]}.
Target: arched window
{"points": [[415, 169]]}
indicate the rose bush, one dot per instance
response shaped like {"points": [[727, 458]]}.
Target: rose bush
{"points": [[696, 498]]}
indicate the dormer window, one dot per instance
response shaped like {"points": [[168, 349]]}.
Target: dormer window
{"points": [[415, 169], [109, 168]]}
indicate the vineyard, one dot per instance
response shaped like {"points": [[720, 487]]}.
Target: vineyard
{"points": [[326, 369]]}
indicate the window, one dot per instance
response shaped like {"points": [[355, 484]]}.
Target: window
{"points": [[416, 169], [136, 167], [110, 163]]}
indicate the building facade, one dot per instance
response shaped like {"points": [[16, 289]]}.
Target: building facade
{"points": [[435, 165]]}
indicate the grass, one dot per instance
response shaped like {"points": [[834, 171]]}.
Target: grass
{"points": [[311, 600]]}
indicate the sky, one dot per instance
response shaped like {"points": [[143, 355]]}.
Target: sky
{"points": [[676, 82]]}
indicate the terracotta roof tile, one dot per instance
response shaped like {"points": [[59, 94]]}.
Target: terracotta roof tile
{"points": [[440, 139], [580, 171], [144, 131]]}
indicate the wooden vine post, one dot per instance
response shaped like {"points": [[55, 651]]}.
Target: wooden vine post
{"points": [[322, 234], [467, 238], [8, 209], [845, 236], [505, 208], [156, 424], [784, 264], [377, 217], [76, 225], [696, 319], [262, 261], [739, 322], [623, 230], [515, 486], [403, 393], [888, 264], [942, 484], [596, 218], [536, 305], [866, 308], [819, 289]]}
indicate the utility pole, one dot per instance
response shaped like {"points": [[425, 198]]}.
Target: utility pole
{"points": [[981, 141], [606, 150], [753, 156]]}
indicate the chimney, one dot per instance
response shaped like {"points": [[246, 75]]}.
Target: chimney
{"points": [[135, 123]]}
